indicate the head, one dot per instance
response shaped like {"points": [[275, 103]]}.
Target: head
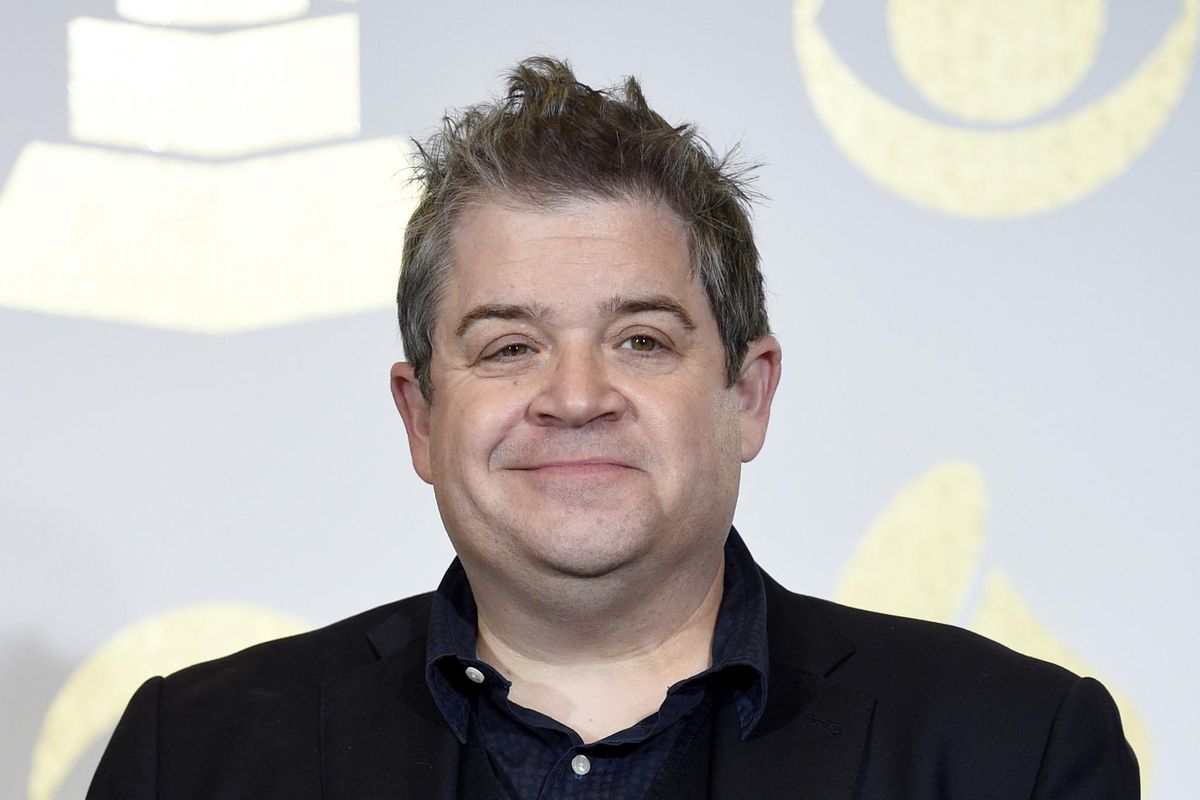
{"points": [[583, 314], [551, 139]]}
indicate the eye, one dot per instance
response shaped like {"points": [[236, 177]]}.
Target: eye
{"points": [[509, 351], [641, 343]]}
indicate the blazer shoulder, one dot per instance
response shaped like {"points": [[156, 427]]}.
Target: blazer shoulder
{"points": [[934, 652], [295, 665], [955, 710], [915, 665], [248, 724]]}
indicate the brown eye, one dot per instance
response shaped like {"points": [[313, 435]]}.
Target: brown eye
{"points": [[514, 350], [642, 343]]}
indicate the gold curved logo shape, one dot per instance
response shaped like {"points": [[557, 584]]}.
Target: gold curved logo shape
{"points": [[992, 173], [921, 557], [91, 700], [995, 61]]}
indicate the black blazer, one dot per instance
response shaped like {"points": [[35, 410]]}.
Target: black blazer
{"points": [[859, 705]]}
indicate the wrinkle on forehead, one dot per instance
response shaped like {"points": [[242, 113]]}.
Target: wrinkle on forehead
{"points": [[626, 256], [583, 208], [615, 306]]}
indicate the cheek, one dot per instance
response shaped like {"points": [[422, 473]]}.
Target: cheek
{"points": [[703, 433], [469, 425]]}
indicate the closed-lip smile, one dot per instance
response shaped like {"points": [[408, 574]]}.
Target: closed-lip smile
{"points": [[583, 466]]}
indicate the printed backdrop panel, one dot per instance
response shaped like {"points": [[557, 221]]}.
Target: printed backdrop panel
{"points": [[980, 245]]}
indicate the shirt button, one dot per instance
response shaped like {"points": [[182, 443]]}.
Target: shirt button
{"points": [[580, 764], [474, 675]]}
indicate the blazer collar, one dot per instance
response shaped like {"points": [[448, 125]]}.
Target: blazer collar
{"points": [[798, 634], [811, 740], [383, 737]]}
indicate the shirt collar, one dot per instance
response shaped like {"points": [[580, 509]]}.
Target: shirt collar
{"points": [[739, 641]]}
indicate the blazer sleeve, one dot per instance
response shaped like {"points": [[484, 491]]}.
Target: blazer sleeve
{"points": [[1086, 756], [129, 767]]}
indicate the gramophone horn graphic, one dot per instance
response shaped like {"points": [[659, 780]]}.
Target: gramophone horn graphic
{"points": [[215, 182], [1001, 62]]}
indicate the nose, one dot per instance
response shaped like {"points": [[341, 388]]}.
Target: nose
{"points": [[577, 391]]}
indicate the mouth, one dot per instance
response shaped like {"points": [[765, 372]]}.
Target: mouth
{"points": [[581, 468]]}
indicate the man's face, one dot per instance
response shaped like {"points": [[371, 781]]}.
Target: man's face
{"points": [[581, 420]]}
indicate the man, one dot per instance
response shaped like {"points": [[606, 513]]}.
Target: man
{"points": [[589, 365]]}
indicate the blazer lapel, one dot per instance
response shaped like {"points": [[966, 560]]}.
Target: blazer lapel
{"points": [[382, 737], [810, 741]]}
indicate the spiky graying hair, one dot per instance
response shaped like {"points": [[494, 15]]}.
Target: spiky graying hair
{"points": [[552, 139]]}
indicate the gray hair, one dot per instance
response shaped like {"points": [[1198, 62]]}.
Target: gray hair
{"points": [[552, 139]]}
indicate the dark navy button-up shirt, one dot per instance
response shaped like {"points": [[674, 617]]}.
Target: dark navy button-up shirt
{"points": [[534, 756]]}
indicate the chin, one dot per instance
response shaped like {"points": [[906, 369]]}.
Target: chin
{"points": [[577, 549]]}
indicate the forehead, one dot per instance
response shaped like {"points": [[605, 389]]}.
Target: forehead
{"points": [[579, 251]]}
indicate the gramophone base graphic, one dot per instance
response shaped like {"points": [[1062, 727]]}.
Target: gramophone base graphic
{"points": [[203, 247]]}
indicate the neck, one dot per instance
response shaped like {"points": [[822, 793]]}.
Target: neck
{"points": [[599, 654]]}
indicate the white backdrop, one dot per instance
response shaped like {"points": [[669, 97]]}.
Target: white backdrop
{"points": [[982, 267]]}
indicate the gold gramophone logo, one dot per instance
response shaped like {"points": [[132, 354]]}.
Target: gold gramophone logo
{"points": [[997, 67], [215, 181]]}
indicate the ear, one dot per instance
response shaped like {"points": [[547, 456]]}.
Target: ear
{"points": [[414, 410], [755, 391]]}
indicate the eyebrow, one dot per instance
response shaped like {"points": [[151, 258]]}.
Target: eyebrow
{"points": [[529, 313], [621, 306], [614, 307]]}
